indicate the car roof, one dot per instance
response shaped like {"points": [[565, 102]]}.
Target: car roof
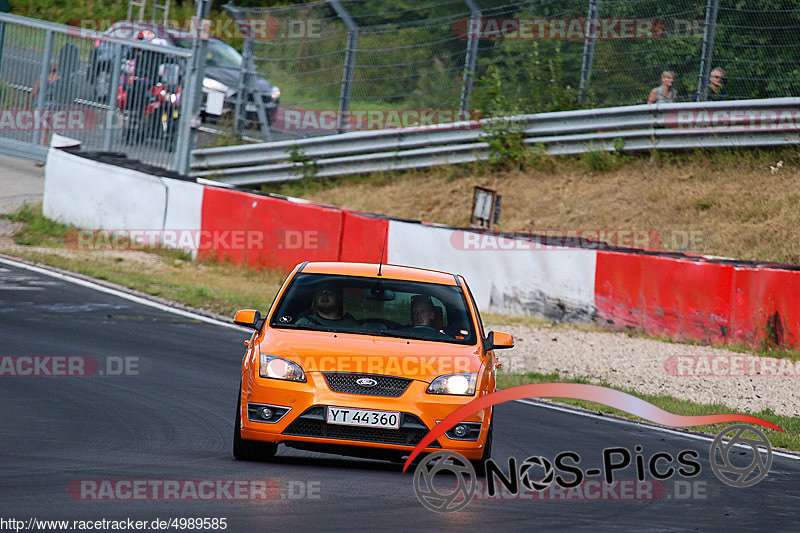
{"points": [[370, 270]]}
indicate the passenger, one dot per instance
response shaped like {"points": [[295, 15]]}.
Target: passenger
{"points": [[422, 312], [664, 93], [328, 311]]}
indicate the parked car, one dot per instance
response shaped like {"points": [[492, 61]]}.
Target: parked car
{"points": [[220, 84], [362, 359]]}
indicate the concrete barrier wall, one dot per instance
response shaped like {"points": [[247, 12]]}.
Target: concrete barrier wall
{"points": [[94, 195], [556, 283]]}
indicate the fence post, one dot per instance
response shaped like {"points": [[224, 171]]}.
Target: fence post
{"points": [[112, 97], [473, 35], [244, 82], [44, 73], [588, 48], [349, 64], [194, 82], [707, 53]]}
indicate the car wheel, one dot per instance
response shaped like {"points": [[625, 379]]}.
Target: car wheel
{"points": [[480, 464], [248, 450]]}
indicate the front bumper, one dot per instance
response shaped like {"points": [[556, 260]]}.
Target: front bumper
{"points": [[229, 105], [305, 423]]}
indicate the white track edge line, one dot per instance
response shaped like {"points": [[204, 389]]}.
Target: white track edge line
{"points": [[121, 294], [640, 424]]}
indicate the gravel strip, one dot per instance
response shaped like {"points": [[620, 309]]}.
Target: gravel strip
{"points": [[741, 381]]}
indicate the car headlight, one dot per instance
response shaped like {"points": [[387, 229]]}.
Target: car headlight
{"points": [[458, 384], [279, 368], [275, 93], [214, 85]]}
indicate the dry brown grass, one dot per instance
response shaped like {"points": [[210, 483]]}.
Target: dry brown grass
{"points": [[736, 204]]}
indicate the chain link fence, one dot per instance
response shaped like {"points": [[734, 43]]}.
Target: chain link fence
{"points": [[346, 65], [118, 95]]}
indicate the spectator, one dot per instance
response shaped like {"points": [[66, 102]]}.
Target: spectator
{"points": [[664, 93], [716, 88]]}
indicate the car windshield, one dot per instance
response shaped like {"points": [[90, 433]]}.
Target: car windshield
{"points": [[219, 54], [370, 306]]}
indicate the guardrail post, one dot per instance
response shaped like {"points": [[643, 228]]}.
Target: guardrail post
{"points": [[588, 47], [112, 97], [193, 81], [44, 73], [349, 64], [473, 35], [707, 53]]}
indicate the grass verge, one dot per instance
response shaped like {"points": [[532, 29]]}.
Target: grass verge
{"points": [[789, 439]]}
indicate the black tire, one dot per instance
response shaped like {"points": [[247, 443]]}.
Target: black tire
{"points": [[480, 464], [248, 450]]}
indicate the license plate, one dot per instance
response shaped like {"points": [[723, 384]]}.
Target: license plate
{"points": [[363, 417]]}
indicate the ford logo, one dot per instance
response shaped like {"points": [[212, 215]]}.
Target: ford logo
{"points": [[366, 382]]}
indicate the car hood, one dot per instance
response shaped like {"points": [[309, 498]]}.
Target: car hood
{"points": [[230, 77], [318, 351]]}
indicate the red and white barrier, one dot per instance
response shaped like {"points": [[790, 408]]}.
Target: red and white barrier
{"points": [[671, 295]]}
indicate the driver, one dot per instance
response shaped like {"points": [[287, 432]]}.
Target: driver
{"points": [[422, 313], [328, 311]]}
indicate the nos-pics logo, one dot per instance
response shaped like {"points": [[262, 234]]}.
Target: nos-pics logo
{"points": [[740, 456]]}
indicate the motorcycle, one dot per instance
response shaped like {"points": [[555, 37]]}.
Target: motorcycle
{"points": [[153, 103]]}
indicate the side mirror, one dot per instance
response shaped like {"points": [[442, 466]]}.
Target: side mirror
{"points": [[497, 340], [249, 318]]}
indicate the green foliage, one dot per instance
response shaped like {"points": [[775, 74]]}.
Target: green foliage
{"points": [[542, 82], [600, 161], [307, 166], [38, 230]]}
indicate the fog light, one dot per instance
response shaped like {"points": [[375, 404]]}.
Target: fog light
{"points": [[460, 431], [266, 413]]}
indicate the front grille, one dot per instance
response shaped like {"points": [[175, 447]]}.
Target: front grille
{"points": [[312, 423], [386, 385]]}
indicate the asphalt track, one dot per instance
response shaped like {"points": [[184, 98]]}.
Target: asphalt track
{"points": [[174, 421]]}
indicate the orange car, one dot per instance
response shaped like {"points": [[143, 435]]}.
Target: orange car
{"points": [[363, 360]]}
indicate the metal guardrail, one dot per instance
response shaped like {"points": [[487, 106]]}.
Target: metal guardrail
{"points": [[740, 123]]}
